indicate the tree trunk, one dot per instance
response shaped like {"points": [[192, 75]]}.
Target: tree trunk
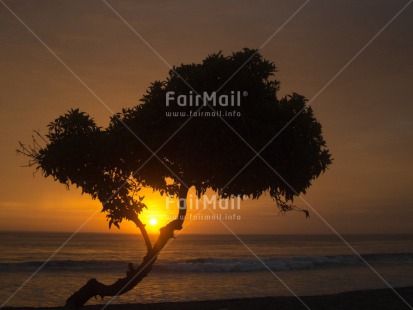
{"points": [[94, 288]]}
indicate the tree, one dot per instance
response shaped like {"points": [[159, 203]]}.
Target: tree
{"points": [[112, 164]]}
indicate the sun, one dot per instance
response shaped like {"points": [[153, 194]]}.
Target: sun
{"points": [[153, 221]]}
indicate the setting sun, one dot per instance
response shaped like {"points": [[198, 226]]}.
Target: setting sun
{"points": [[153, 221]]}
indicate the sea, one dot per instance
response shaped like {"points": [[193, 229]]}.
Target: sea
{"points": [[200, 267]]}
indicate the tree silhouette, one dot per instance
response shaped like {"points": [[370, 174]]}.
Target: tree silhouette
{"points": [[146, 146]]}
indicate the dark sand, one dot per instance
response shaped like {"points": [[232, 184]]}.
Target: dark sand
{"points": [[369, 299]]}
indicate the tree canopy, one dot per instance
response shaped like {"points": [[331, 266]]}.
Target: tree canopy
{"points": [[204, 152]]}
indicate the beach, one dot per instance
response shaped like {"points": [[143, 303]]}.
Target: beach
{"points": [[210, 271], [362, 300]]}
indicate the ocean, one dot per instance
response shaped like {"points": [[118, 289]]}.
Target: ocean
{"points": [[200, 267]]}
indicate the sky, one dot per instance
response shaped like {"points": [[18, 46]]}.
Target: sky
{"points": [[345, 55]]}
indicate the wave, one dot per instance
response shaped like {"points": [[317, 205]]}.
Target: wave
{"points": [[217, 264], [280, 264], [64, 265]]}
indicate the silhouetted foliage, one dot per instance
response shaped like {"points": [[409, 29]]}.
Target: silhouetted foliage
{"points": [[112, 164], [207, 153]]}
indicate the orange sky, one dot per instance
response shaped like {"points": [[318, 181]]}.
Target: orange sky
{"points": [[366, 112]]}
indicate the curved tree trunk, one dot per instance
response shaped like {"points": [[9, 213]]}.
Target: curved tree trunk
{"points": [[134, 275]]}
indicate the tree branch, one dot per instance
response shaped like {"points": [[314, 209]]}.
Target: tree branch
{"points": [[94, 288], [144, 233]]}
